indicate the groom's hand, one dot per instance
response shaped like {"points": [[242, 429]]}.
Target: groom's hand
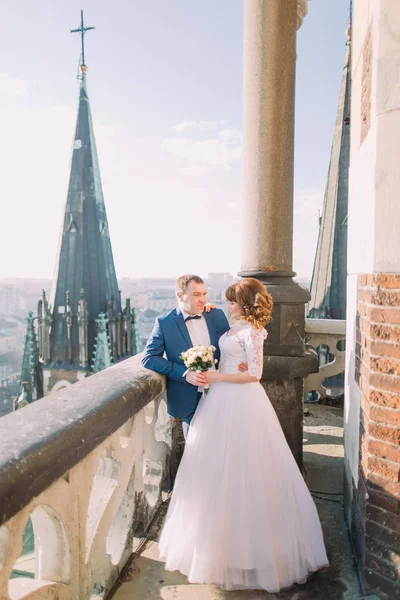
{"points": [[196, 378], [243, 367]]}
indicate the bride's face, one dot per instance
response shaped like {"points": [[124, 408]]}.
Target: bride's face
{"points": [[235, 310]]}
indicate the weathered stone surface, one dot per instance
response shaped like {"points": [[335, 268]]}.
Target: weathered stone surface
{"points": [[47, 438], [284, 396]]}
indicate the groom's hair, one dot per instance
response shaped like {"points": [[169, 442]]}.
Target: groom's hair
{"points": [[184, 280]]}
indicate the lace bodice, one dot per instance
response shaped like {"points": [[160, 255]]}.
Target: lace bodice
{"points": [[242, 343]]}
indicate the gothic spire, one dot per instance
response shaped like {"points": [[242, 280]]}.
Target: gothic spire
{"points": [[85, 260], [328, 285]]}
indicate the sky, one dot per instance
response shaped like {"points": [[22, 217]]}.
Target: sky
{"points": [[165, 85]]}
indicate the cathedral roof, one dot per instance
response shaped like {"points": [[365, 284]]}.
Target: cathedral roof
{"points": [[328, 285]]}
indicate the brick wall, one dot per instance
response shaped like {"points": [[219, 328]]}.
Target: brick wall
{"points": [[377, 372]]}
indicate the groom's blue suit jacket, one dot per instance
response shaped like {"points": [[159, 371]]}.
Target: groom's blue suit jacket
{"points": [[168, 339]]}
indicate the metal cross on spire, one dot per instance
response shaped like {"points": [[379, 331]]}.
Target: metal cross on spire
{"points": [[82, 30]]}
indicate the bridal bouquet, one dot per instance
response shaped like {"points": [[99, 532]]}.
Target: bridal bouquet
{"points": [[199, 358]]}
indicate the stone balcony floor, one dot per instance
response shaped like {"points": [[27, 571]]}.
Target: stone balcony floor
{"points": [[146, 578]]}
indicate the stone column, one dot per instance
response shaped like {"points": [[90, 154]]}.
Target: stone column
{"points": [[269, 61]]}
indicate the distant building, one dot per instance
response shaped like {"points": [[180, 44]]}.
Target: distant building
{"points": [[146, 320], [162, 301]]}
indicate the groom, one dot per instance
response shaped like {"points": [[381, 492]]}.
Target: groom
{"points": [[182, 328]]}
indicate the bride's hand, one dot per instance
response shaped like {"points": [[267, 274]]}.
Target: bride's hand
{"points": [[212, 376], [209, 306]]}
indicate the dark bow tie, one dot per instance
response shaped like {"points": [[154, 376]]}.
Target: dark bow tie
{"points": [[192, 317]]}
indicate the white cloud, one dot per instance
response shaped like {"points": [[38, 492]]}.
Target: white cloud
{"points": [[196, 126], [108, 131], [12, 86], [217, 152], [231, 136], [194, 171], [213, 152]]}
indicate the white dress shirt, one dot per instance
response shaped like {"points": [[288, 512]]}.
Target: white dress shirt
{"points": [[198, 333], [198, 330]]}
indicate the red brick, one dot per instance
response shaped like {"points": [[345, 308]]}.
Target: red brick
{"points": [[379, 348], [362, 280], [379, 549], [386, 365], [364, 295], [384, 585], [366, 328], [382, 298], [382, 500], [384, 382], [389, 416], [384, 518], [382, 485], [382, 315], [375, 563], [365, 405], [387, 281], [365, 463], [365, 384], [362, 309], [384, 398], [383, 535], [384, 468], [390, 333], [364, 368], [384, 433], [382, 450]]}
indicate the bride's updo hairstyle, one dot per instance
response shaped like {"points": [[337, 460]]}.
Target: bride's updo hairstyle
{"points": [[254, 299]]}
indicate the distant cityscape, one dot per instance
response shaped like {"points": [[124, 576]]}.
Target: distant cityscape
{"points": [[150, 297]]}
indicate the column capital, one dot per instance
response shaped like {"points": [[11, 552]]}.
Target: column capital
{"points": [[302, 7]]}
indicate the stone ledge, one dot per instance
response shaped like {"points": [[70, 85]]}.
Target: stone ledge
{"points": [[41, 442], [326, 326], [284, 368]]}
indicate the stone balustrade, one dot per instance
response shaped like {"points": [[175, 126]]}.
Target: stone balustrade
{"points": [[87, 465], [330, 333]]}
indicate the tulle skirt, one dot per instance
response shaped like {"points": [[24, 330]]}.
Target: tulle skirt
{"points": [[241, 515]]}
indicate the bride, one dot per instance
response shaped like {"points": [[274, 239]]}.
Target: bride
{"points": [[241, 516]]}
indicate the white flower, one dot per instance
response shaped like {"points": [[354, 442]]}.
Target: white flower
{"points": [[199, 354]]}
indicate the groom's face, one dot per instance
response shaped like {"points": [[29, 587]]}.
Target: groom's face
{"points": [[194, 299]]}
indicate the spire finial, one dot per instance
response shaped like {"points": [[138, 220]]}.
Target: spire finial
{"points": [[82, 30]]}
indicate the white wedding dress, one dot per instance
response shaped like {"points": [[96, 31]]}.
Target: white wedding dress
{"points": [[241, 515]]}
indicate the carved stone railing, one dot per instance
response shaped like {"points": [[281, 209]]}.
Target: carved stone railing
{"points": [[331, 333], [87, 464]]}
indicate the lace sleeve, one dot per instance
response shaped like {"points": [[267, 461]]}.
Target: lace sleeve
{"points": [[254, 346]]}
